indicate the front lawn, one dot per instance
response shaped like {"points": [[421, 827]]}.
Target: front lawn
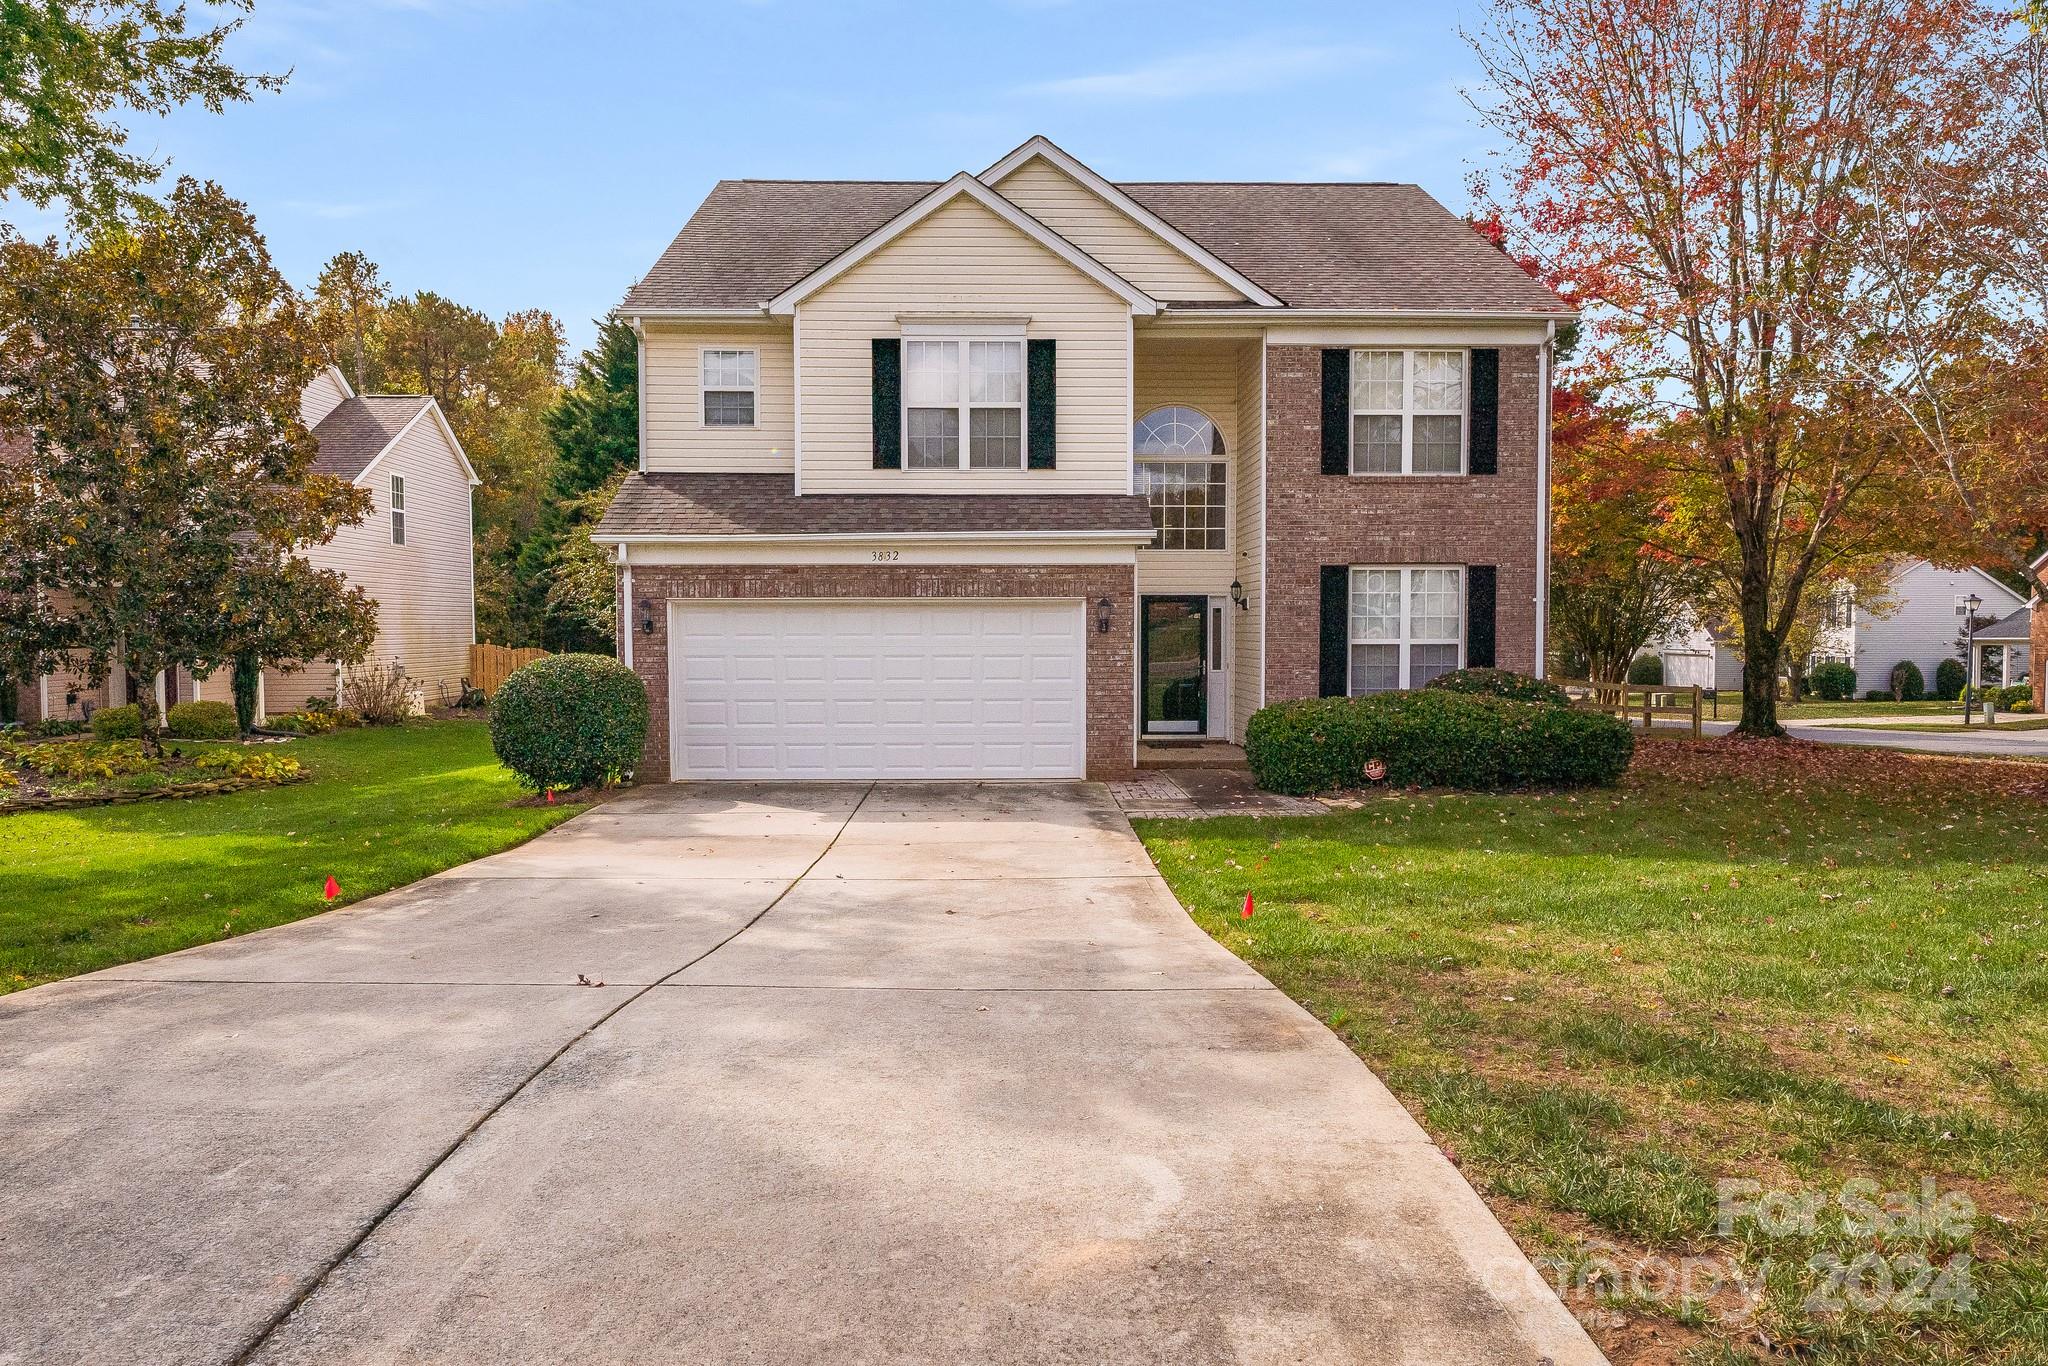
{"points": [[90, 888], [1787, 964]]}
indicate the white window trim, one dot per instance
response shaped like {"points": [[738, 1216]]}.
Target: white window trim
{"points": [[962, 337], [398, 520], [705, 391], [1229, 482], [1407, 640], [1408, 416]]}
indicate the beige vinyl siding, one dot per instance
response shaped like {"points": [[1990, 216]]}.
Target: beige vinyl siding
{"points": [[1248, 659], [677, 439], [1108, 234], [1201, 375], [321, 396], [425, 603], [964, 262]]}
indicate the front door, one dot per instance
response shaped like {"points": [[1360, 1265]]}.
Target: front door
{"points": [[1175, 665]]}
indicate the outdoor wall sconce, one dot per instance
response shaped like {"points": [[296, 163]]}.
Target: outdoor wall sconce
{"points": [[646, 617], [1237, 596], [1102, 609]]}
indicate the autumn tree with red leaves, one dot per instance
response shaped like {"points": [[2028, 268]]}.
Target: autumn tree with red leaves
{"points": [[1710, 170]]}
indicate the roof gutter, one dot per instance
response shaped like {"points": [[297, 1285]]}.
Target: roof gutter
{"points": [[1130, 536], [1267, 316]]}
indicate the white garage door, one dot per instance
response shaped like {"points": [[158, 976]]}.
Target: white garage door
{"points": [[877, 690]]}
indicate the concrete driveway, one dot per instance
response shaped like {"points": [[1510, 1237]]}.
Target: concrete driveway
{"points": [[926, 1073]]}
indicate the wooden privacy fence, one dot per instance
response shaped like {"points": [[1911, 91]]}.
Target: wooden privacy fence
{"points": [[1645, 702], [491, 665]]}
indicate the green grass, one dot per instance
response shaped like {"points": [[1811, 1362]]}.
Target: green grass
{"points": [[1731, 707], [1604, 1004], [90, 888]]}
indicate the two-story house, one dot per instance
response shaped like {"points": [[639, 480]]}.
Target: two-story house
{"points": [[1005, 475]]}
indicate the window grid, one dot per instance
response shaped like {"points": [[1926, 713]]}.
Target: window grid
{"points": [[1188, 502], [1408, 412], [397, 509], [730, 380], [965, 388], [1407, 626]]}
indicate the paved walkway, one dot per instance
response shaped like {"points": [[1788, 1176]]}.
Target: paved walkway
{"points": [[864, 1073]]}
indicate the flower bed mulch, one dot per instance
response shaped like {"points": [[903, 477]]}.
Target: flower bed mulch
{"points": [[64, 773]]}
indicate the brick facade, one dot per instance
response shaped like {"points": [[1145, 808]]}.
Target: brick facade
{"points": [[1314, 519], [1111, 702]]}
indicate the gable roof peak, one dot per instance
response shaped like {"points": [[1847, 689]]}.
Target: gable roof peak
{"points": [[1038, 147], [941, 195]]}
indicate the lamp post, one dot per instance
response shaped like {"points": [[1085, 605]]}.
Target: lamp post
{"points": [[1970, 604]]}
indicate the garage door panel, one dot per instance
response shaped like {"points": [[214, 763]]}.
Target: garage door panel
{"points": [[878, 689]]}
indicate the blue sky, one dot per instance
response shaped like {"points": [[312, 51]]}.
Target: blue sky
{"points": [[522, 153]]}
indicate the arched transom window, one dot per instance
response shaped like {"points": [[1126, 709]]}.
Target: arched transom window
{"points": [[1183, 483]]}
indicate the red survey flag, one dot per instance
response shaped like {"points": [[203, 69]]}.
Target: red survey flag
{"points": [[332, 889], [1247, 906]]}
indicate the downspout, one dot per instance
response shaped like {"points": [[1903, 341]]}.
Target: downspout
{"points": [[625, 613], [1543, 500]]}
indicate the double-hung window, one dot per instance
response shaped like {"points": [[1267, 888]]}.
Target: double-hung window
{"points": [[397, 510], [1185, 486], [963, 404], [1407, 626], [1408, 412], [731, 380]]}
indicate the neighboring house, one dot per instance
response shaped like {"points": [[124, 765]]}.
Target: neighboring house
{"points": [[1925, 624], [997, 476], [413, 554]]}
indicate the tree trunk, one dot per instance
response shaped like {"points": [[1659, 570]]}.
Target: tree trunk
{"points": [[145, 703], [1761, 648], [248, 671]]}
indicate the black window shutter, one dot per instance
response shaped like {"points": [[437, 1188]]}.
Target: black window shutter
{"points": [[1485, 445], [1336, 410], [888, 403], [1479, 610], [1041, 362], [1336, 661]]}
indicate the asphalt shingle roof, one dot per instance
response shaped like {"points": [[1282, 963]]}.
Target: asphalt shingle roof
{"points": [[357, 431], [767, 505], [2015, 627], [1346, 245]]}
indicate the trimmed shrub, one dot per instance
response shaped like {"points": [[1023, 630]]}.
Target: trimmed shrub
{"points": [[118, 723], [1501, 683], [1646, 669], [1908, 683], [2018, 697], [1877, 695], [1433, 739], [56, 726], [1833, 681], [1950, 678], [570, 721], [203, 721]]}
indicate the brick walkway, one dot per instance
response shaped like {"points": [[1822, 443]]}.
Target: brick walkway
{"points": [[1197, 792]]}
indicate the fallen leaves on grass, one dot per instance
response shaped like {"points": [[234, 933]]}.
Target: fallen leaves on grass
{"points": [[1791, 766]]}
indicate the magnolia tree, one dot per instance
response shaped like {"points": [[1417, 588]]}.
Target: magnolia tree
{"points": [[158, 517], [1714, 171]]}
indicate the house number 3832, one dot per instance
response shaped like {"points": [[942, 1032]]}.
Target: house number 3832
{"points": [[883, 556]]}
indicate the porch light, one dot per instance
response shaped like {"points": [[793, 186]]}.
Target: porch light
{"points": [[1102, 610], [646, 617], [1237, 595]]}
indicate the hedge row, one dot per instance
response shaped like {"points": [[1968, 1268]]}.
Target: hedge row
{"points": [[1433, 738]]}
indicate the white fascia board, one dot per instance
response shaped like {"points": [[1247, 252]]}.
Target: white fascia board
{"points": [[347, 389], [964, 184], [1271, 317], [742, 311], [447, 433], [1049, 151], [1132, 537]]}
